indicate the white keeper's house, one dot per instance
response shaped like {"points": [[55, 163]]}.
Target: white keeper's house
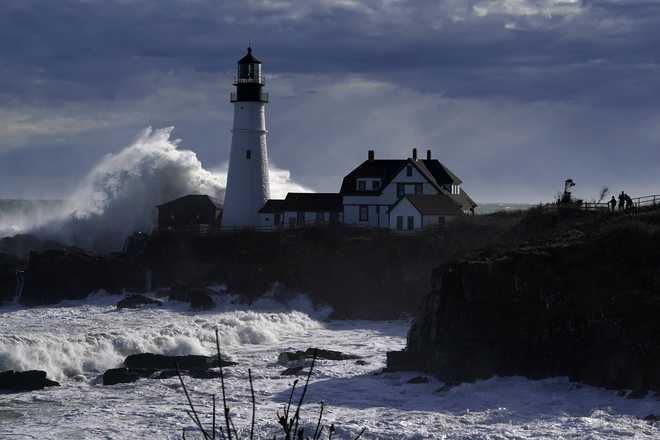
{"points": [[401, 194]]}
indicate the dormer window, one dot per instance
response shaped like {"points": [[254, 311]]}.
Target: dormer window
{"points": [[362, 185], [375, 185], [409, 170]]}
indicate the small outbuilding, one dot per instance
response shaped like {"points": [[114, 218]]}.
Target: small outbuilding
{"points": [[299, 209], [418, 211], [194, 212]]}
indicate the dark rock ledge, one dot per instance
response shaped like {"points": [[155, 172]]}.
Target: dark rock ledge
{"points": [[585, 308]]}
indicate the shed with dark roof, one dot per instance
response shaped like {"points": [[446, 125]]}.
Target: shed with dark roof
{"points": [[189, 212]]}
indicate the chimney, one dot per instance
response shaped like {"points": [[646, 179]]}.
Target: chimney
{"points": [[414, 153], [428, 154], [371, 155]]}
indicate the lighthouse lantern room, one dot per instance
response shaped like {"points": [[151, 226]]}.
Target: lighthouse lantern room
{"points": [[248, 185]]}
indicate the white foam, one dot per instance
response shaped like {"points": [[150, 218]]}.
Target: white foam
{"points": [[75, 342]]}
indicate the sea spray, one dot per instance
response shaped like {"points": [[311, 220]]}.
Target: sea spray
{"points": [[120, 194]]}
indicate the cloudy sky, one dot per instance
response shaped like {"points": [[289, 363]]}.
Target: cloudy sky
{"points": [[513, 95]]}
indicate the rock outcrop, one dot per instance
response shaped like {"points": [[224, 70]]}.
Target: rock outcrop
{"points": [[199, 298], [331, 355], [137, 301], [158, 366], [30, 380], [56, 275], [10, 266], [150, 361], [583, 306]]}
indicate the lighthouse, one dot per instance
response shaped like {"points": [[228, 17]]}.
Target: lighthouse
{"points": [[248, 185]]}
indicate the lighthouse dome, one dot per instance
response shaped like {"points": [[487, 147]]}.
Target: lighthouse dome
{"points": [[249, 58]]}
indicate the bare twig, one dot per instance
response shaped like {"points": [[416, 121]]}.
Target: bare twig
{"points": [[360, 434], [233, 428], [288, 407], [213, 416], [254, 404], [222, 384], [192, 407], [304, 391], [317, 434]]}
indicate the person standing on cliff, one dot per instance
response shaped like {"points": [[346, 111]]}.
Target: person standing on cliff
{"points": [[612, 204], [630, 205], [622, 201]]}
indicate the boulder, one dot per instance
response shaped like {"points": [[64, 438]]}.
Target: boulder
{"points": [[330, 355], [25, 380], [419, 380], [191, 362], [199, 298], [652, 418], [197, 374], [124, 375], [295, 371], [137, 301]]}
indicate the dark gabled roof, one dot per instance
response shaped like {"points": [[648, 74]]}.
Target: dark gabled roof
{"points": [[441, 173], [313, 202], [384, 169], [387, 169], [433, 204], [464, 200], [194, 198], [249, 58], [272, 206], [305, 202]]}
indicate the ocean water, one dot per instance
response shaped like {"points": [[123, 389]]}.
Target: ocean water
{"points": [[75, 342]]}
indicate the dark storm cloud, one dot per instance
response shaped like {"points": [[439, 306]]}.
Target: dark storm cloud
{"points": [[493, 84], [523, 49]]}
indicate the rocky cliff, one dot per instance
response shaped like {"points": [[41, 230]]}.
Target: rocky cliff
{"points": [[360, 273], [584, 304]]}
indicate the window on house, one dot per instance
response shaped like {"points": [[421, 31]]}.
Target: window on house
{"points": [[411, 223], [320, 217], [400, 190], [278, 219], [419, 188], [300, 218], [364, 213], [362, 185], [375, 185], [409, 170], [441, 221], [399, 223], [292, 222], [248, 154]]}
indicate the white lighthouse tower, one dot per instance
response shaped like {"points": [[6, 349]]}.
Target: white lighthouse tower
{"points": [[248, 185]]}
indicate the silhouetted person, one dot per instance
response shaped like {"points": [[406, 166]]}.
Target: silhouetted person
{"points": [[629, 203], [612, 204], [622, 201]]}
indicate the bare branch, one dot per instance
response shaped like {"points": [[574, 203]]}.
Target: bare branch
{"points": [[222, 384], [192, 407], [254, 404]]}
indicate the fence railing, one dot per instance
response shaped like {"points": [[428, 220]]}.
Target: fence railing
{"points": [[638, 203]]}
